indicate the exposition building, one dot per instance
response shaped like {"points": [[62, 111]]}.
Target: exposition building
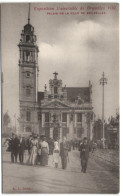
{"points": [[59, 110]]}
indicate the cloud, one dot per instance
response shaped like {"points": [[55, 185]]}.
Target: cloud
{"points": [[76, 42], [81, 51], [79, 48]]}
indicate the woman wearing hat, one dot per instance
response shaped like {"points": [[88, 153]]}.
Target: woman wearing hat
{"points": [[44, 152], [33, 156], [56, 152]]}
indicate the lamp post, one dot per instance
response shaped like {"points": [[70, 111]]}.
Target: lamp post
{"points": [[103, 81]]}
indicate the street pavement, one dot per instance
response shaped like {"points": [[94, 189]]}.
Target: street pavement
{"points": [[99, 178]]}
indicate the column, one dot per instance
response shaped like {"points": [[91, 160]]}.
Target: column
{"points": [[83, 119], [60, 133], [84, 125], [68, 120], [21, 55], [71, 130], [75, 120], [52, 92], [34, 57], [24, 129], [75, 125], [43, 119], [91, 130], [24, 55]]}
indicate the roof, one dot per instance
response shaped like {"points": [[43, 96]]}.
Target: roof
{"points": [[29, 29], [83, 92], [40, 96], [72, 94]]}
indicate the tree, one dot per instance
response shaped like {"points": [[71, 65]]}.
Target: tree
{"points": [[6, 129], [6, 119]]}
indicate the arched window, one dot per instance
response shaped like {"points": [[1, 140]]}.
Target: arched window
{"points": [[27, 38], [27, 55]]}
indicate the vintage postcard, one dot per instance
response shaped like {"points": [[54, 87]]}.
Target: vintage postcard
{"points": [[60, 97]]}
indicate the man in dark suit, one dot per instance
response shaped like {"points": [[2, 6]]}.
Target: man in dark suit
{"points": [[51, 146], [21, 149], [14, 146], [84, 154], [11, 147], [29, 144], [64, 152]]}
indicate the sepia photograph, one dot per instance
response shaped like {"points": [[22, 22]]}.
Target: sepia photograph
{"points": [[60, 98]]}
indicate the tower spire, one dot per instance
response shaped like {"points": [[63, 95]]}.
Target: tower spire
{"points": [[29, 14]]}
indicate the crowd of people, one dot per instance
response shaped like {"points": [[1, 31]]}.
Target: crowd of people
{"points": [[39, 149]]}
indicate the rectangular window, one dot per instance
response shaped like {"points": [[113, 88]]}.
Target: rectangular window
{"points": [[79, 117], [64, 117], [28, 116], [47, 117], [39, 116]]}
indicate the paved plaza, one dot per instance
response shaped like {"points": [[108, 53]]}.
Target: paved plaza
{"points": [[100, 177]]}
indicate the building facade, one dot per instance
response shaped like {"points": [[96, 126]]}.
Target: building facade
{"points": [[58, 111], [112, 131]]}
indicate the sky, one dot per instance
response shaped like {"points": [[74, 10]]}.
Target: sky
{"points": [[78, 47]]}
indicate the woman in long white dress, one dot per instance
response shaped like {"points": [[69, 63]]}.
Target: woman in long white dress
{"points": [[56, 153], [34, 151]]}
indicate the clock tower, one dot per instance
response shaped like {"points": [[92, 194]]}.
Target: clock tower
{"points": [[28, 76]]}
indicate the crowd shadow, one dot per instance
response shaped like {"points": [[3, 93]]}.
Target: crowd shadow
{"points": [[44, 167]]}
